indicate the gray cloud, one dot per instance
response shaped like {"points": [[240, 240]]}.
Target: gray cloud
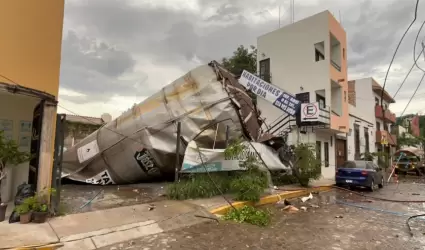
{"points": [[171, 37]]}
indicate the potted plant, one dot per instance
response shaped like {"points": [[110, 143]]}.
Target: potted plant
{"points": [[41, 207], [10, 156], [24, 212], [40, 213]]}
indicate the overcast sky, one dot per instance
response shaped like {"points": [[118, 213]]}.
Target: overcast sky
{"points": [[118, 52]]}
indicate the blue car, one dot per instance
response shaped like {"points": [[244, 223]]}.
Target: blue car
{"points": [[360, 174]]}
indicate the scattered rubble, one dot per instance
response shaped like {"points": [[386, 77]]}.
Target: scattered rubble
{"points": [[306, 198]]}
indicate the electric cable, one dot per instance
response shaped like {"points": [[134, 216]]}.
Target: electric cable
{"points": [[414, 93], [412, 217], [408, 73], [414, 47], [395, 52]]}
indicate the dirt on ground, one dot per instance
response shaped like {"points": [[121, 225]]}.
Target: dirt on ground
{"points": [[79, 198], [335, 220]]}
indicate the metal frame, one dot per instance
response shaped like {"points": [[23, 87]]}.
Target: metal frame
{"points": [[57, 162]]}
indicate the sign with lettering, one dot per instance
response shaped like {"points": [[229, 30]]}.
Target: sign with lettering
{"points": [[279, 98], [87, 151], [103, 178], [310, 112], [146, 162]]}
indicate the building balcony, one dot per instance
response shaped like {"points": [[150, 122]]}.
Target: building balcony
{"points": [[383, 136], [389, 116], [336, 65]]}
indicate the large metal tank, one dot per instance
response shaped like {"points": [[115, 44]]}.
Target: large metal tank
{"points": [[141, 143]]}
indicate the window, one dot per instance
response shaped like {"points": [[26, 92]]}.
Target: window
{"points": [[319, 51], [356, 142], [321, 100], [376, 101], [366, 138], [378, 126], [319, 151], [345, 96], [326, 149], [265, 69], [343, 54], [303, 97]]}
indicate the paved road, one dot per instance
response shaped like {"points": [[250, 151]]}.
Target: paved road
{"points": [[331, 226]]}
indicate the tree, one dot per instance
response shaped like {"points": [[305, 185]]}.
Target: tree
{"points": [[10, 156], [242, 59]]}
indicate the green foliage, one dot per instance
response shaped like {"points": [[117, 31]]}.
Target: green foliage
{"points": [[234, 149], [307, 166], [10, 155], [23, 209], [247, 185], [242, 59], [198, 186], [249, 214]]}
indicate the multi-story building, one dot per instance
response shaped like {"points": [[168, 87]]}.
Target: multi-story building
{"points": [[308, 59], [361, 137], [368, 99], [30, 51]]}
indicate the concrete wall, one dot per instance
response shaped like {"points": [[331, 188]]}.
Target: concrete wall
{"points": [[365, 100], [350, 138], [22, 110], [328, 171], [340, 121], [31, 53]]}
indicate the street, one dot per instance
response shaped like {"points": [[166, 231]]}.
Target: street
{"points": [[331, 225]]}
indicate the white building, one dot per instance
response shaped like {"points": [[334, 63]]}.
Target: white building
{"points": [[365, 108], [308, 59]]}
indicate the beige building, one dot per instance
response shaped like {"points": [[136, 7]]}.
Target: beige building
{"points": [[79, 127]]}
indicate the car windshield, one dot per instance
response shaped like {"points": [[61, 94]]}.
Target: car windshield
{"points": [[354, 164]]}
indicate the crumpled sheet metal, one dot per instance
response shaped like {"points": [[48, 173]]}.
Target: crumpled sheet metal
{"points": [[140, 145]]}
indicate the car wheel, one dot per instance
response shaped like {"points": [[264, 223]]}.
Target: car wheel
{"points": [[381, 185], [372, 186]]}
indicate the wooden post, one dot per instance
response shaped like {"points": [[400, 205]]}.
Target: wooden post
{"points": [[47, 137], [176, 173]]}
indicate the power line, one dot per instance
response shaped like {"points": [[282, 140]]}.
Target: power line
{"points": [[408, 73], [414, 46], [414, 93], [395, 52]]}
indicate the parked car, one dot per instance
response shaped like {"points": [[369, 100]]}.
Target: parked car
{"points": [[360, 174]]}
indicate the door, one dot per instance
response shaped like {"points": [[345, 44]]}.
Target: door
{"points": [[340, 152], [35, 143]]}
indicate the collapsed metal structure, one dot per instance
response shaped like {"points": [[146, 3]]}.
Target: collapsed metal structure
{"points": [[140, 145]]}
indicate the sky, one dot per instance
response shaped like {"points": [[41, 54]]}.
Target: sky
{"points": [[118, 52]]}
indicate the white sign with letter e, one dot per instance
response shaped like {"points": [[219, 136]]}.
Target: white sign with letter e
{"points": [[310, 112], [87, 151]]}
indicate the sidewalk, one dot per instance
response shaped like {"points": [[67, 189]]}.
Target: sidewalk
{"points": [[101, 228]]}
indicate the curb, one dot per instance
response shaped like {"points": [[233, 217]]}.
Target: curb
{"points": [[271, 199], [43, 247]]}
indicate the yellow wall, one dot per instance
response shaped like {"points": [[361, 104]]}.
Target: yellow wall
{"points": [[30, 44]]}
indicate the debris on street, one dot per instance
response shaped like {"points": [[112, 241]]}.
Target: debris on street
{"points": [[291, 209], [306, 198], [148, 131]]}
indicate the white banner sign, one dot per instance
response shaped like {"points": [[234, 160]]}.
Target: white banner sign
{"points": [[87, 151], [215, 160], [279, 98]]}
